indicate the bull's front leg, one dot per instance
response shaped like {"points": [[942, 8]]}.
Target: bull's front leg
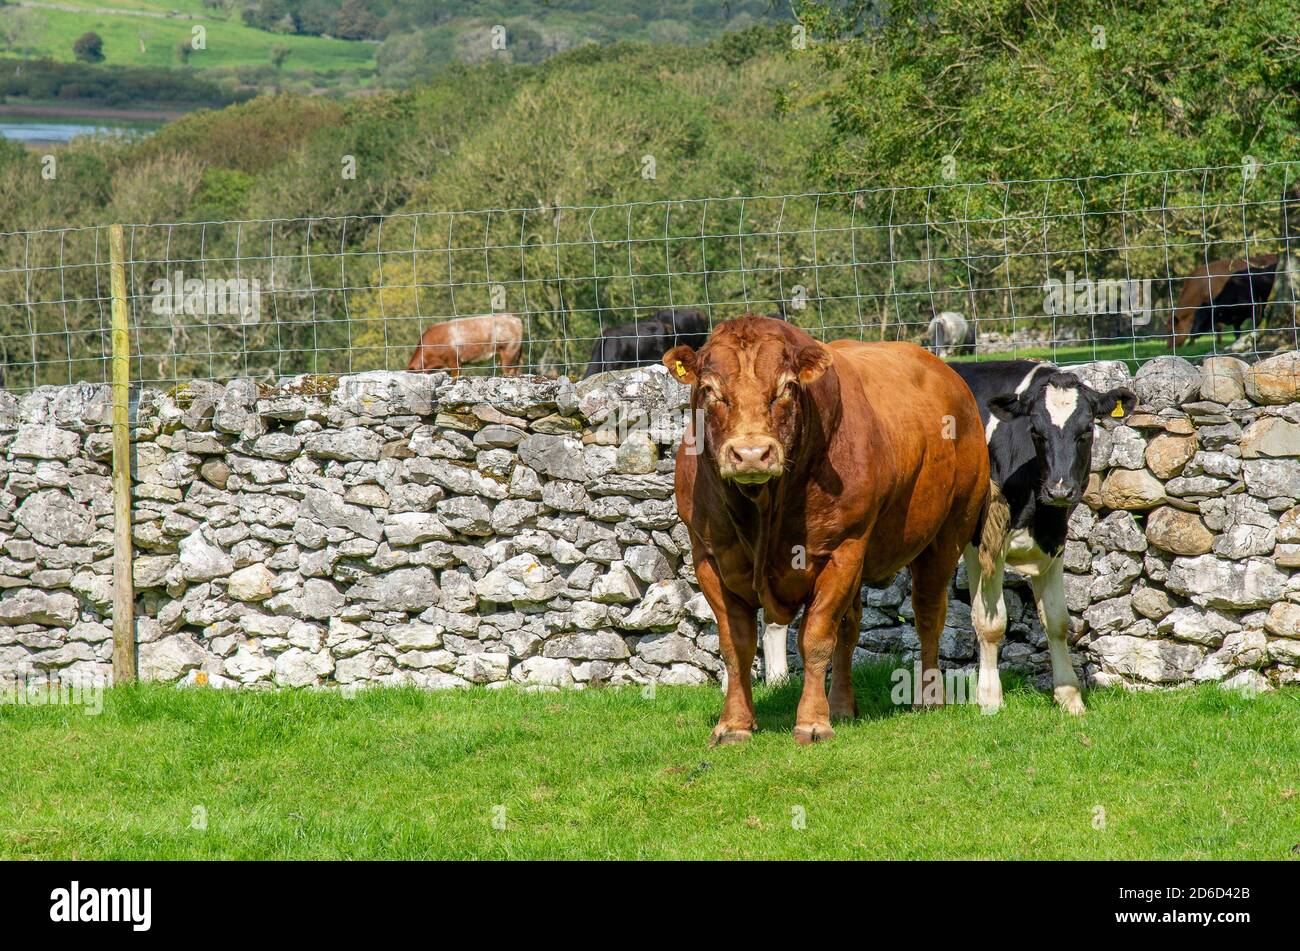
{"points": [[833, 593], [738, 642], [844, 705]]}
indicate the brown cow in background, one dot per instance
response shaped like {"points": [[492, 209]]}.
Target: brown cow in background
{"points": [[808, 471], [1228, 292], [448, 345]]}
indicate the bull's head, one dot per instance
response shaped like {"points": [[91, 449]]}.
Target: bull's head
{"points": [[749, 393]]}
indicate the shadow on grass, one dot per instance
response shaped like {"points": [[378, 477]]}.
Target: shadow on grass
{"points": [[873, 685], [877, 688]]}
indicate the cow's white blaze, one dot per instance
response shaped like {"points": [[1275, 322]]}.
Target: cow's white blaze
{"points": [[1061, 404]]}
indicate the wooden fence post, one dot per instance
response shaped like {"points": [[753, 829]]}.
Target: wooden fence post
{"points": [[124, 654]]}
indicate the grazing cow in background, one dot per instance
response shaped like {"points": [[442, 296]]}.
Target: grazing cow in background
{"points": [[448, 345], [809, 470], [950, 334], [1286, 291], [1039, 424], [1231, 292], [643, 342]]}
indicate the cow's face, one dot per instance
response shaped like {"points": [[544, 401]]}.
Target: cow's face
{"points": [[748, 386], [1061, 415]]}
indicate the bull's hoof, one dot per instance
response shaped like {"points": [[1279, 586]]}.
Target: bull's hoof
{"points": [[727, 736], [1069, 699], [805, 734]]}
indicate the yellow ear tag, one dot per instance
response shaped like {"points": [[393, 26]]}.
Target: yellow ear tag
{"points": [[681, 370], [1118, 411]]}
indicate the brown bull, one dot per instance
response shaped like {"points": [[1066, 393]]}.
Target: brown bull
{"points": [[447, 345], [809, 470]]}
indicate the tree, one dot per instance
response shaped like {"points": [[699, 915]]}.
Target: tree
{"points": [[1063, 118], [278, 55], [356, 22], [89, 47], [1018, 89], [670, 31], [317, 17]]}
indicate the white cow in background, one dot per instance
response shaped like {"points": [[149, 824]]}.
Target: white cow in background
{"points": [[949, 334]]}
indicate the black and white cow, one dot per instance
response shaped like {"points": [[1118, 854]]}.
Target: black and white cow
{"points": [[1038, 421]]}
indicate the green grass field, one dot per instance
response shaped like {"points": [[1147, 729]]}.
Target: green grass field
{"points": [[229, 41], [1189, 774], [1133, 352]]}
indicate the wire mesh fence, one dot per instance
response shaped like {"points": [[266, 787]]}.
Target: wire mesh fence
{"points": [[1129, 266]]}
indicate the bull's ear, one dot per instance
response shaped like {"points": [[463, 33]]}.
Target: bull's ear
{"points": [[1119, 402], [680, 361], [1007, 406], [811, 362]]}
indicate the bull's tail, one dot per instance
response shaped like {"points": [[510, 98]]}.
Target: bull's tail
{"points": [[994, 526]]}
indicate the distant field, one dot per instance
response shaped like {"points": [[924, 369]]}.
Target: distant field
{"points": [[1134, 353], [229, 42]]}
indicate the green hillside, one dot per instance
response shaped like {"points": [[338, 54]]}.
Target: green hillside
{"points": [[309, 44], [131, 39]]}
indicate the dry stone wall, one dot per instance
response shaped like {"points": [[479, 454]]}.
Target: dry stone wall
{"points": [[393, 528]]}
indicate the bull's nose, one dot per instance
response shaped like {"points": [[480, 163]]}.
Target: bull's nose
{"points": [[751, 460], [746, 457]]}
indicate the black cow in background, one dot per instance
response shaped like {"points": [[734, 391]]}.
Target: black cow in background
{"points": [[1221, 294], [644, 342], [1038, 421]]}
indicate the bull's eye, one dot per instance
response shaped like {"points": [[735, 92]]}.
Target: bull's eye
{"points": [[711, 395], [785, 393]]}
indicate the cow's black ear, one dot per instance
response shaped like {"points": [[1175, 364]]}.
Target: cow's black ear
{"points": [[680, 361], [1007, 406], [1119, 402]]}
